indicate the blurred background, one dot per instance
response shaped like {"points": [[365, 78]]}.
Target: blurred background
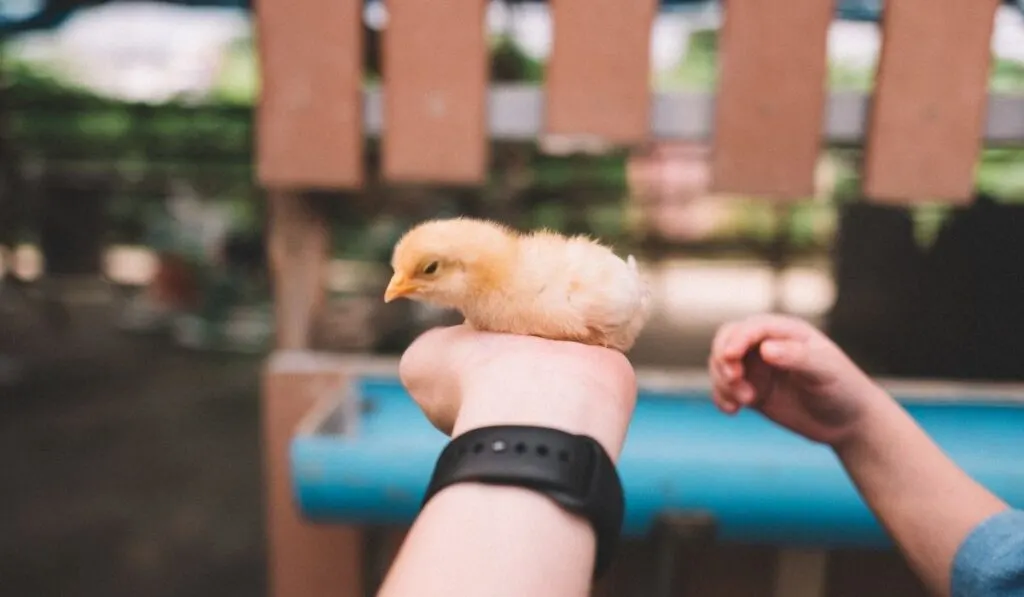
{"points": [[136, 310]]}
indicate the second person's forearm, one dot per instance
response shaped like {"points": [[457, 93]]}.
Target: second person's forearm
{"points": [[924, 500]]}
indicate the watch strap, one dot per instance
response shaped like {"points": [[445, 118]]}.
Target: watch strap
{"points": [[573, 470]]}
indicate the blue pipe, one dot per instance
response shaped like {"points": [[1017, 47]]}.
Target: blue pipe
{"points": [[762, 484]]}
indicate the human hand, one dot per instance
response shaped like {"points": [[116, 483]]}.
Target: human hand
{"points": [[793, 374], [464, 379]]}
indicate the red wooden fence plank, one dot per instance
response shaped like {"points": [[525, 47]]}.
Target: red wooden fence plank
{"points": [[309, 119], [928, 115], [598, 78], [771, 97], [435, 64]]}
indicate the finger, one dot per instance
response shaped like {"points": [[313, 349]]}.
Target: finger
{"points": [[723, 404], [721, 339], [719, 387], [743, 392], [784, 354], [425, 366], [729, 369], [732, 391], [731, 373], [760, 375], [757, 329], [721, 335], [418, 358], [716, 370], [732, 370], [718, 382]]}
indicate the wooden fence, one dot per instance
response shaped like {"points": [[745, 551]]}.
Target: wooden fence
{"points": [[922, 129], [929, 113]]}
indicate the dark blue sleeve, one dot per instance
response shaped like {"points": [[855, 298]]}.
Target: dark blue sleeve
{"points": [[990, 562]]}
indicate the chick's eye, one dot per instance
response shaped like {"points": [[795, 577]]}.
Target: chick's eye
{"points": [[431, 268]]}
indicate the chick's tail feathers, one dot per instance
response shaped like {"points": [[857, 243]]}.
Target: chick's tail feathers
{"points": [[641, 313], [644, 314]]}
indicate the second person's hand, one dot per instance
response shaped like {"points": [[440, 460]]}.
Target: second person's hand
{"points": [[793, 374]]}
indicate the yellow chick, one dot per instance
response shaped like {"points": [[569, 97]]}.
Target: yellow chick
{"points": [[539, 284]]}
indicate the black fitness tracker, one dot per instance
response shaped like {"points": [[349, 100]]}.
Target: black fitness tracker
{"points": [[573, 470]]}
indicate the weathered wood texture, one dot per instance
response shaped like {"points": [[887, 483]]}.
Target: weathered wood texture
{"points": [[598, 75], [928, 117], [310, 118], [304, 560], [771, 97], [435, 66]]}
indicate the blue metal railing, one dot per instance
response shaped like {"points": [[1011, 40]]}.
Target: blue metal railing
{"points": [[762, 484]]}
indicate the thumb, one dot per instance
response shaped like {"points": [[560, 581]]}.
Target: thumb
{"points": [[426, 371], [785, 354]]}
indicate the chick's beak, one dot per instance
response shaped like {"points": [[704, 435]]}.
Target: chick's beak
{"points": [[398, 287]]}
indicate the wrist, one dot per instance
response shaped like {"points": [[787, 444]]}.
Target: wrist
{"points": [[877, 413], [549, 394], [572, 470]]}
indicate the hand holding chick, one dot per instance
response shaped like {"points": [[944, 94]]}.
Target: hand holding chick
{"points": [[538, 284]]}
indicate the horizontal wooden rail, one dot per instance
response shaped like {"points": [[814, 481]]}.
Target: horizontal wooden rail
{"points": [[516, 113]]}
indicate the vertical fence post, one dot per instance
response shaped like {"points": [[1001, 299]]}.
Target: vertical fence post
{"points": [[598, 76], [309, 136], [927, 119], [435, 67], [773, 60], [310, 112]]}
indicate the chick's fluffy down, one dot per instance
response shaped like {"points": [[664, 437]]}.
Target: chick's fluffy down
{"points": [[541, 283], [571, 289]]}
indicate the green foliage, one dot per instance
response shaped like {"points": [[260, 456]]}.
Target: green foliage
{"points": [[928, 219], [1001, 173], [699, 70], [239, 77], [30, 84], [510, 64], [607, 171], [842, 77], [1006, 76], [63, 123]]}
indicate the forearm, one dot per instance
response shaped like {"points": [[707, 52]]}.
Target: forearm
{"points": [[475, 539], [925, 501]]}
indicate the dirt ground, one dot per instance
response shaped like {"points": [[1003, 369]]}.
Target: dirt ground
{"points": [[132, 469]]}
